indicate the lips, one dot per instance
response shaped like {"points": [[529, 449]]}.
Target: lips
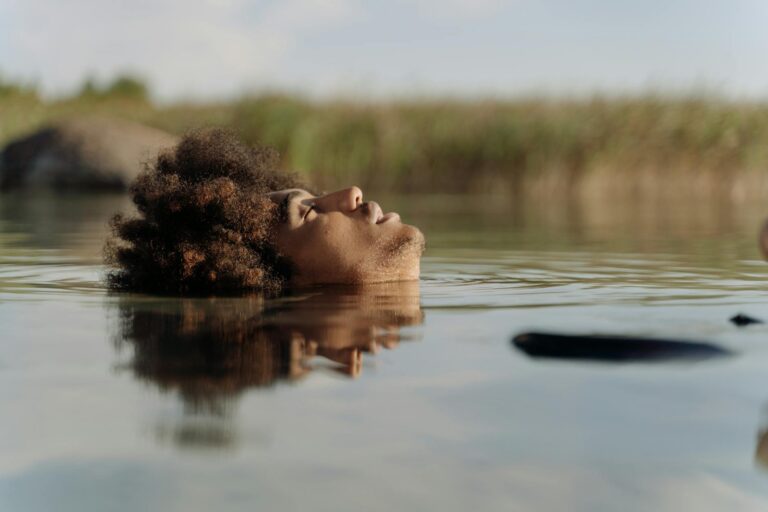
{"points": [[377, 216], [389, 217]]}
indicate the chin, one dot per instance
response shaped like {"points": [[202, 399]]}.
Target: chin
{"points": [[405, 261], [415, 236]]}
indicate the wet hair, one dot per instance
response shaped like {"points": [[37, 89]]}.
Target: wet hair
{"points": [[205, 224]]}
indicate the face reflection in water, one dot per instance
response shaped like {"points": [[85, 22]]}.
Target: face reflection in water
{"points": [[211, 350]]}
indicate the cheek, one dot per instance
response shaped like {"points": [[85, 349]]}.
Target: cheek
{"points": [[332, 244], [317, 248], [335, 248], [340, 247]]}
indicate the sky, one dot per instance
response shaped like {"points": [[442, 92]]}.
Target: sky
{"points": [[209, 49]]}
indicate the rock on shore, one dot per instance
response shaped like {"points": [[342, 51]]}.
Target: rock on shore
{"points": [[81, 154]]}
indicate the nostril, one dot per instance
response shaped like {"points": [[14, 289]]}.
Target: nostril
{"points": [[357, 197]]}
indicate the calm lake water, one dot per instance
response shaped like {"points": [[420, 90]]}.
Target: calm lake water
{"points": [[399, 397]]}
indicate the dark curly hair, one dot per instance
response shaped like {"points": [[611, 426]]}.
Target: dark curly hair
{"points": [[205, 224]]}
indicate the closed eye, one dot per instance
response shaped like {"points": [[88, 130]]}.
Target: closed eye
{"points": [[311, 207]]}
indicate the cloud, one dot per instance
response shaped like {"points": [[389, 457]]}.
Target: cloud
{"points": [[458, 9], [200, 48], [210, 48]]}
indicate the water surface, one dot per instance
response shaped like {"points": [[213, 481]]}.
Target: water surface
{"points": [[407, 397]]}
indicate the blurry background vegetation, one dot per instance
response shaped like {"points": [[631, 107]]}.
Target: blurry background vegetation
{"points": [[650, 142]]}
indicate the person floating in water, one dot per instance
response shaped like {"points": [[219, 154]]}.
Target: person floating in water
{"points": [[214, 216]]}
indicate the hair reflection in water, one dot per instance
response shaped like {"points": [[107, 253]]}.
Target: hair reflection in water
{"points": [[210, 350]]}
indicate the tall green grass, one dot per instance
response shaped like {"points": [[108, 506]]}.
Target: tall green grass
{"points": [[454, 145]]}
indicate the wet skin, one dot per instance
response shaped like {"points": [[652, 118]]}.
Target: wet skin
{"points": [[339, 238]]}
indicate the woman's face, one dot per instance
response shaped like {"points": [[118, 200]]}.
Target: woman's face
{"points": [[338, 238]]}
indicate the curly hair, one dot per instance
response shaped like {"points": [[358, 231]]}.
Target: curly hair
{"points": [[205, 224]]}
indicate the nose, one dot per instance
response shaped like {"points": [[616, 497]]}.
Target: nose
{"points": [[345, 200]]}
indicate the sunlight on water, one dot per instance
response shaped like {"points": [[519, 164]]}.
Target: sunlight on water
{"points": [[405, 396]]}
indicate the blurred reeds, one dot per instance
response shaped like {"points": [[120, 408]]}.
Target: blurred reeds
{"points": [[454, 146]]}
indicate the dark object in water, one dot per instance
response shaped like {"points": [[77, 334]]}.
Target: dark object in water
{"points": [[761, 450], [613, 348], [742, 320], [83, 153]]}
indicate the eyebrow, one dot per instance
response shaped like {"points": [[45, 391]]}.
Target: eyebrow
{"points": [[282, 208]]}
